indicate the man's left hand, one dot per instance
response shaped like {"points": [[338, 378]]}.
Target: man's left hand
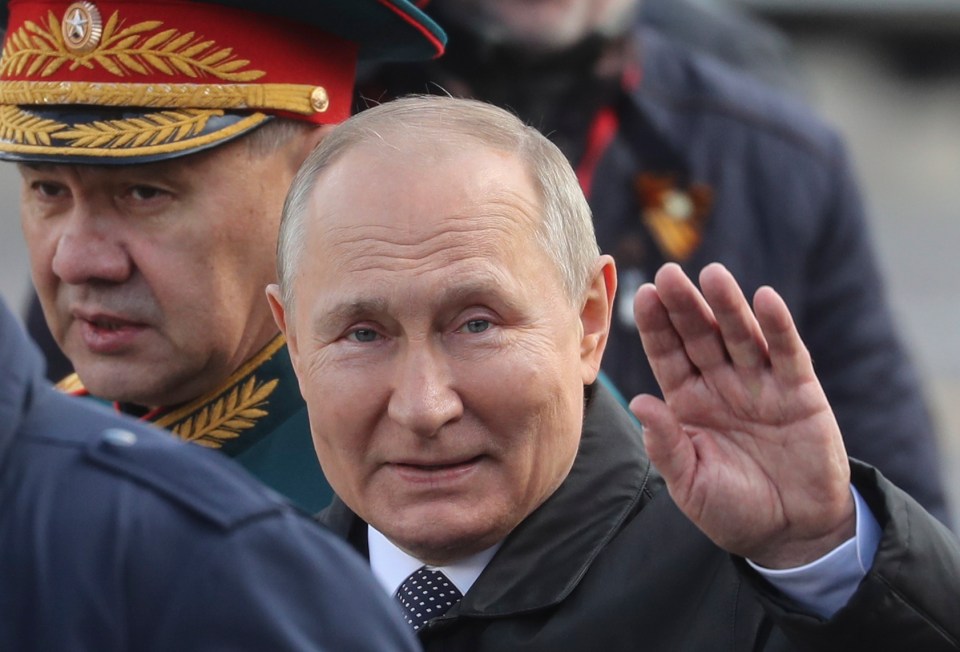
{"points": [[745, 438]]}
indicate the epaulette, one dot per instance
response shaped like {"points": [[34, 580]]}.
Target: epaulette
{"points": [[201, 481]]}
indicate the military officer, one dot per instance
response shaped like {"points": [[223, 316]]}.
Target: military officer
{"points": [[156, 141]]}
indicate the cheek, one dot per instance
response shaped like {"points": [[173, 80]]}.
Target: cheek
{"points": [[41, 240], [342, 409]]}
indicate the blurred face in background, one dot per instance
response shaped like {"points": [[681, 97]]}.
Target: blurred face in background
{"points": [[540, 25]]}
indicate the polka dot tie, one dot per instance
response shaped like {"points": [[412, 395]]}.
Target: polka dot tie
{"points": [[426, 594]]}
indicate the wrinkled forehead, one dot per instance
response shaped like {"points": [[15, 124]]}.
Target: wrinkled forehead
{"points": [[427, 180], [394, 202]]}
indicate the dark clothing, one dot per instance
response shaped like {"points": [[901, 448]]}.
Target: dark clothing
{"points": [[731, 34], [257, 417], [115, 536], [58, 365], [684, 159], [609, 563]]}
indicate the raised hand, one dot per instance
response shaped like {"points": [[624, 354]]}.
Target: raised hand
{"points": [[745, 438]]}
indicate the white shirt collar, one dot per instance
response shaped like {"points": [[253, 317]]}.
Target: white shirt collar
{"points": [[391, 565]]}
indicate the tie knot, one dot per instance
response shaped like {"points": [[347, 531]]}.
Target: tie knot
{"points": [[426, 594]]}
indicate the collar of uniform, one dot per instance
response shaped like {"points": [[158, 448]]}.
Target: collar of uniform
{"points": [[544, 558], [230, 417]]}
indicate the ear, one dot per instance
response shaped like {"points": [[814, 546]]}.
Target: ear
{"points": [[280, 316], [595, 317]]}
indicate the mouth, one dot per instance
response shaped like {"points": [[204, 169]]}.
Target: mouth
{"points": [[434, 471], [110, 323], [105, 320], [108, 334]]}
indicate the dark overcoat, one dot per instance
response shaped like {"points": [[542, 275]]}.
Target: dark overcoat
{"points": [[608, 563]]}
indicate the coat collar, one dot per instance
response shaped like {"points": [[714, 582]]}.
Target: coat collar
{"points": [[544, 558]]}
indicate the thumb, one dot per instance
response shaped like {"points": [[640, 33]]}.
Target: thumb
{"points": [[669, 448]]}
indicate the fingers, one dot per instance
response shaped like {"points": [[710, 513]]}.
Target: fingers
{"points": [[686, 333], [788, 355], [691, 317], [742, 336], [663, 346]]}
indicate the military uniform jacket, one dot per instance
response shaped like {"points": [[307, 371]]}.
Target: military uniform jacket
{"points": [[609, 563], [115, 536], [683, 159], [258, 417]]}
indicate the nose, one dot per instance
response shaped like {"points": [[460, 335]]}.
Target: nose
{"points": [[89, 249], [423, 398]]}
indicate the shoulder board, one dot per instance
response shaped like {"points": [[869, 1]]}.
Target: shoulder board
{"points": [[199, 480]]}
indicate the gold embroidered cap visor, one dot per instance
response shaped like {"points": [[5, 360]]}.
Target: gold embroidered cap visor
{"points": [[132, 82]]}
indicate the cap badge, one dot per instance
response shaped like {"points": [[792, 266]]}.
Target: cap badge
{"points": [[81, 27], [122, 50]]}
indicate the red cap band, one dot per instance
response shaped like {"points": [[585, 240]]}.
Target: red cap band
{"points": [[174, 54]]}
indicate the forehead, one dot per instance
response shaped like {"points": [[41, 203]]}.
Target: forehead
{"points": [[411, 190]]}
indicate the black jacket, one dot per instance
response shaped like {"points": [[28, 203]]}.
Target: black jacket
{"points": [[115, 536], [609, 563]]}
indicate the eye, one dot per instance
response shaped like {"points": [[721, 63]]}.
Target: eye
{"points": [[363, 335], [49, 189], [145, 193], [476, 325]]}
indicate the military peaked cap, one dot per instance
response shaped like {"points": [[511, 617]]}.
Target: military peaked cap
{"points": [[124, 81]]}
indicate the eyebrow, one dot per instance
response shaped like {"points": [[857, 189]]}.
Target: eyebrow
{"points": [[361, 308], [349, 311]]}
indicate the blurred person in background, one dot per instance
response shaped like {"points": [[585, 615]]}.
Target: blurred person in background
{"points": [[155, 141], [685, 160]]}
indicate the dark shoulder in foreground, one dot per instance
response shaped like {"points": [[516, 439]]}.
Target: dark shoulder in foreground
{"points": [[116, 536], [63, 431]]}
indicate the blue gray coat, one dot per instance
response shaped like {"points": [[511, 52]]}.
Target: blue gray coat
{"points": [[115, 536]]}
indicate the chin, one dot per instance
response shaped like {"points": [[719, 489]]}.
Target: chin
{"points": [[439, 544]]}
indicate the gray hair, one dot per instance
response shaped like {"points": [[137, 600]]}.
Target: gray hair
{"points": [[565, 232]]}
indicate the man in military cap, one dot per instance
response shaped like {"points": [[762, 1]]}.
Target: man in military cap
{"points": [[156, 141]]}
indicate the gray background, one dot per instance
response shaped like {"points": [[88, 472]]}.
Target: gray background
{"points": [[901, 118]]}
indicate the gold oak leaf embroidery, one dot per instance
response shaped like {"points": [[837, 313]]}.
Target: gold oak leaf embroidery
{"points": [[16, 125], [227, 417], [39, 49], [153, 129]]}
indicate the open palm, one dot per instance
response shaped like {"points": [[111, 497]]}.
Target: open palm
{"points": [[745, 437]]}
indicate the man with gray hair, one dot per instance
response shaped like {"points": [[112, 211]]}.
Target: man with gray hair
{"points": [[447, 308], [685, 160]]}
